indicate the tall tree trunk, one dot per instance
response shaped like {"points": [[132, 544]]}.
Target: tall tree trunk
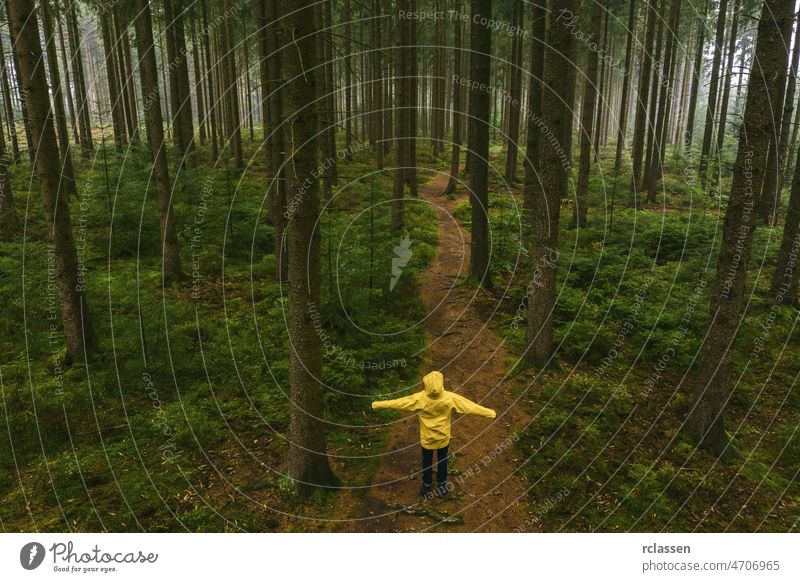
{"points": [[67, 171], [198, 84], [231, 90], [82, 99], [555, 127], [769, 202], [131, 112], [213, 100], [349, 92], [480, 74], [658, 74], [533, 186], [458, 93], [67, 84], [155, 136], [587, 114], [787, 269], [601, 101], [8, 220], [664, 103], [642, 99], [9, 107], [788, 111], [308, 460], [413, 107], [274, 133], [402, 88], [726, 86], [515, 95], [626, 76], [76, 320], [713, 388], [708, 133], [117, 115]]}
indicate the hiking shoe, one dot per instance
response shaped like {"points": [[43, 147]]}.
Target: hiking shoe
{"points": [[442, 492], [426, 491]]}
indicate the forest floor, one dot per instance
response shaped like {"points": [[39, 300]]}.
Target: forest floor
{"points": [[489, 493]]}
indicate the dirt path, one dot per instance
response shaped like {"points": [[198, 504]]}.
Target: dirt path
{"points": [[474, 363]]}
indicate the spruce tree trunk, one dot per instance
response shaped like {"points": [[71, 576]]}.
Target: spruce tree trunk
{"points": [[713, 388], [412, 114], [587, 114], [308, 461], [117, 116], [787, 267], [76, 320], [515, 93], [8, 220], [402, 85], [275, 41], [664, 103], [480, 74], [231, 91], [554, 155], [155, 137], [655, 90], [213, 101], [726, 86], [626, 76], [67, 83], [58, 98], [601, 101], [131, 112], [642, 99], [83, 109], [198, 85], [532, 163], [458, 49], [349, 92], [708, 132]]}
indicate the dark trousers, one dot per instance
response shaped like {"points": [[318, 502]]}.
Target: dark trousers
{"points": [[441, 467]]}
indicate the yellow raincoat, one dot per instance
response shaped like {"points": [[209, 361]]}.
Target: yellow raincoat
{"points": [[435, 405]]}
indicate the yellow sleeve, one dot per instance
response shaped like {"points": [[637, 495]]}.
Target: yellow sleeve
{"points": [[466, 406], [405, 403]]}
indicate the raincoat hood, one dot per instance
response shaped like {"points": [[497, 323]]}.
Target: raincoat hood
{"points": [[434, 384]]}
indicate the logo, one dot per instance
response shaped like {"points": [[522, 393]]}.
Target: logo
{"points": [[31, 555], [402, 256]]}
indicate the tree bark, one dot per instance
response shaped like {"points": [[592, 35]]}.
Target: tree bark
{"points": [[82, 99], [623, 108], [155, 136], [308, 461], [708, 133], [515, 95], [231, 91], [555, 127], [117, 115], [642, 99], [726, 86], [664, 103], [480, 74], [587, 114], [76, 320], [533, 186], [458, 93], [713, 388]]}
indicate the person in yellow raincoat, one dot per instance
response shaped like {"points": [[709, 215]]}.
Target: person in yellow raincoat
{"points": [[435, 406]]}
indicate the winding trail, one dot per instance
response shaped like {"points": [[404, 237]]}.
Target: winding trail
{"points": [[474, 361]]}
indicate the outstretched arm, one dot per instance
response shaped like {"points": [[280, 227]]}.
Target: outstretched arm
{"points": [[405, 403], [467, 406]]}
